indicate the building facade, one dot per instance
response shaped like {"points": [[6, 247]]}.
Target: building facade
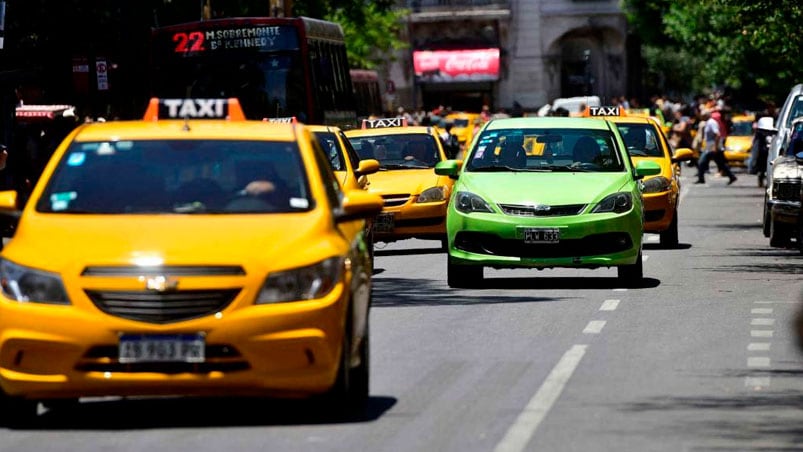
{"points": [[508, 53]]}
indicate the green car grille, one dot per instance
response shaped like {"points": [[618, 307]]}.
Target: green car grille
{"points": [[592, 245], [541, 210]]}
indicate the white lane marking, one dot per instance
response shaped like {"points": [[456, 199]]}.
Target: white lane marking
{"points": [[652, 238], [594, 327], [758, 361], [758, 346], [645, 258], [761, 333], [761, 311], [683, 192], [762, 322], [756, 382], [776, 302], [523, 428], [621, 289], [609, 305]]}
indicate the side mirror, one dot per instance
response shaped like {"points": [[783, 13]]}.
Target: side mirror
{"points": [[682, 155], [449, 168], [367, 166], [359, 204], [647, 168], [8, 204]]}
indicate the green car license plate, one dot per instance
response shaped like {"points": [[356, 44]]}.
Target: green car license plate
{"points": [[383, 222], [140, 348], [541, 235]]}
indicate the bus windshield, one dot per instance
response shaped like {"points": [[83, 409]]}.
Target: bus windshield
{"points": [[276, 67]]}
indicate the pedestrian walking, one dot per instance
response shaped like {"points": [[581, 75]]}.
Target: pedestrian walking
{"points": [[714, 139], [759, 151]]}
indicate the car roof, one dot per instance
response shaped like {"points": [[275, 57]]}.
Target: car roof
{"points": [[548, 122], [192, 129], [381, 131]]}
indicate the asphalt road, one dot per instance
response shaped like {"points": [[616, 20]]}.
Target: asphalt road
{"points": [[701, 358]]}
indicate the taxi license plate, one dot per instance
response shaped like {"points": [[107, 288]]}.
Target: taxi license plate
{"points": [[541, 235], [140, 348], [383, 222]]}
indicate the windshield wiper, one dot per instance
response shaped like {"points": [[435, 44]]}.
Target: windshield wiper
{"points": [[493, 168], [387, 167]]}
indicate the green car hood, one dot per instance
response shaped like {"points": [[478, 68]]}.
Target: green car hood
{"points": [[553, 189]]}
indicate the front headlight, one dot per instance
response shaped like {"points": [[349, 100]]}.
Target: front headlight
{"points": [[26, 284], [655, 185], [432, 194], [467, 202], [305, 283], [617, 203]]}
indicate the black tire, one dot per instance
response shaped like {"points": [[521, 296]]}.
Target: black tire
{"points": [[669, 237], [631, 275], [350, 392], [445, 244], [463, 276], [17, 412], [766, 219], [780, 235]]}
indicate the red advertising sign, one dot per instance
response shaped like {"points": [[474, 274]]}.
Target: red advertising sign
{"points": [[444, 66]]}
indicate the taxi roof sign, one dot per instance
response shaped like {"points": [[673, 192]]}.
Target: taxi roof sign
{"points": [[604, 111], [384, 122], [194, 109], [282, 120]]}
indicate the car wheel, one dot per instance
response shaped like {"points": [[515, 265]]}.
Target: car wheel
{"points": [[767, 220], [780, 236], [669, 237], [445, 244], [631, 275], [350, 391], [17, 412], [463, 276]]}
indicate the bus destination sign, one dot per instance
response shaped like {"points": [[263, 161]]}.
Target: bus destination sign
{"points": [[254, 38]]}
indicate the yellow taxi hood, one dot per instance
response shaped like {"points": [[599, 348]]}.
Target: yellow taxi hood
{"points": [[71, 242], [412, 181], [735, 142]]}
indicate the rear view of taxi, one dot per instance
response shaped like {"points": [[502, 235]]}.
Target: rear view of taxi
{"points": [[415, 197], [190, 257], [645, 140], [739, 141]]}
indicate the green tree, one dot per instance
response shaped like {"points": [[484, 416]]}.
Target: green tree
{"points": [[372, 39], [752, 46]]}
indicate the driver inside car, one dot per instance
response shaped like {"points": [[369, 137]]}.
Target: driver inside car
{"points": [[586, 151]]}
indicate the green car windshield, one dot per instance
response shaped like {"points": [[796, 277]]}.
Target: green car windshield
{"points": [[545, 150]]}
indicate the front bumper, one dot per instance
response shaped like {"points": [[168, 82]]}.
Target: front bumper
{"points": [[414, 220], [288, 349], [659, 211], [586, 240]]}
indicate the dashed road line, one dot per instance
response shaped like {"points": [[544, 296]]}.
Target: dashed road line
{"points": [[757, 382], [761, 333], [761, 311], [758, 361], [594, 327], [609, 305], [758, 346], [523, 428], [762, 322]]}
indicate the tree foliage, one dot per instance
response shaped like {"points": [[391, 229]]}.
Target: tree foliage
{"points": [[372, 39], [752, 46]]}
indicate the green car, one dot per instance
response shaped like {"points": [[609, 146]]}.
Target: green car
{"points": [[545, 192]]}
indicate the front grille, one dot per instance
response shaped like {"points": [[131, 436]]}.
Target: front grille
{"points": [[396, 200], [787, 190], [592, 245], [220, 358], [542, 211], [173, 270], [162, 307]]}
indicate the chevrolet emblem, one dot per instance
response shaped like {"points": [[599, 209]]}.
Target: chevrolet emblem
{"points": [[161, 283]]}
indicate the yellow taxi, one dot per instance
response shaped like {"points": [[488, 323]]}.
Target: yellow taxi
{"points": [[463, 126], [645, 140], [415, 197], [739, 141], [187, 255]]}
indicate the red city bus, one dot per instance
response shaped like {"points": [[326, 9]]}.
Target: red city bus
{"points": [[277, 67], [367, 93]]}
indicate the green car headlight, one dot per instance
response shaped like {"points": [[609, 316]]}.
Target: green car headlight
{"points": [[467, 202], [433, 194], [655, 185], [305, 283], [25, 284], [617, 203]]}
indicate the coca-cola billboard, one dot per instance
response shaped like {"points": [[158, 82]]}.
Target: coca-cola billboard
{"points": [[445, 66]]}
